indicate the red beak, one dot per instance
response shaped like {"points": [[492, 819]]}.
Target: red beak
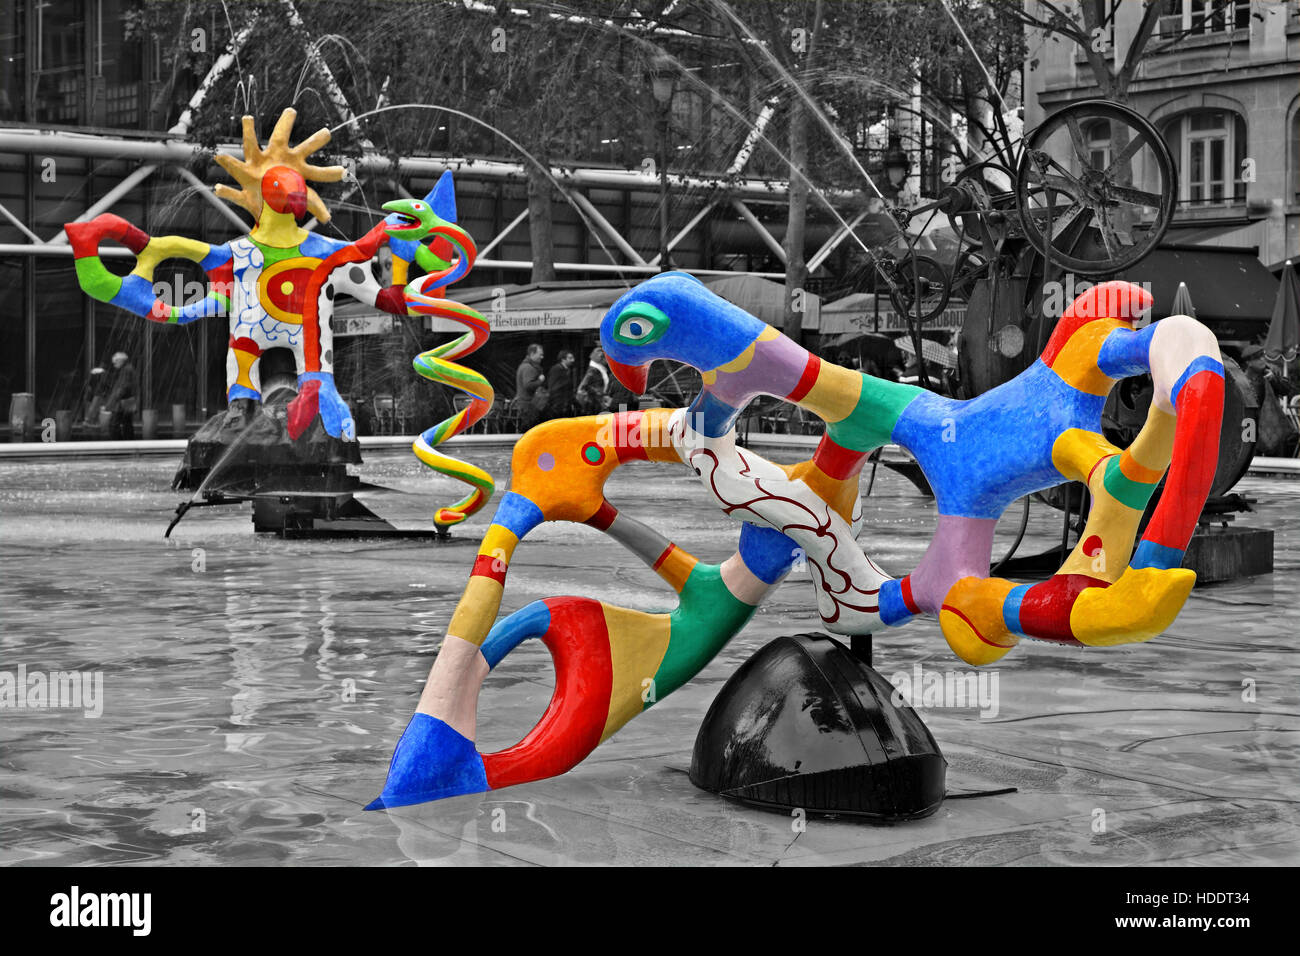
{"points": [[297, 202], [635, 377]]}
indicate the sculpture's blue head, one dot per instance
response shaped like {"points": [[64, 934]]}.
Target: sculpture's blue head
{"points": [[673, 316]]}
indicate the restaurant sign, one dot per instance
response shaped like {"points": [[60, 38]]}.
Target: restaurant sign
{"points": [[530, 320]]}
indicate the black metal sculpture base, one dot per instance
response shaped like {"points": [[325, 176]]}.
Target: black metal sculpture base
{"points": [[247, 448], [806, 724], [298, 488]]}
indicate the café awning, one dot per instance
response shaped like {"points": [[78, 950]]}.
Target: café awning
{"points": [[863, 313], [533, 308], [764, 299], [538, 306], [1233, 291]]}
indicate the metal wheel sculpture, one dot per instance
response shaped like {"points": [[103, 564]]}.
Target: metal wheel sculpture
{"points": [[1095, 188], [923, 274]]}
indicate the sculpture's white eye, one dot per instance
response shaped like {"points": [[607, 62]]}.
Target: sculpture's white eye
{"points": [[418, 205], [635, 328], [640, 324]]}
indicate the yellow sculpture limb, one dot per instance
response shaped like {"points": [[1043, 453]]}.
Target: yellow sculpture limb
{"points": [[1076, 452], [244, 365], [1076, 363], [1112, 525], [1076, 455], [499, 542], [1141, 604], [477, 610], [1108, 535], [637, 644], [835, 394], [168, 247], [656, 435], [676, 567], [972, 622], [1132, 469], [1154, 445], [569, 486]]}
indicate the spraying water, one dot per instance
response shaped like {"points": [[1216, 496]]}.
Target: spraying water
{"points": [[513, 143]]}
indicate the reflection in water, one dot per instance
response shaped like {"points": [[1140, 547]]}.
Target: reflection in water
{"points": [[251, 706]]}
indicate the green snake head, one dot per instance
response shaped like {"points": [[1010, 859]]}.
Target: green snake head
{"points": [[410, 218]]}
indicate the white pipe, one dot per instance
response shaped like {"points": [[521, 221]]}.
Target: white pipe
{"points": [[504, 232], [759, 228], [18, 222], [645, 269], [751, 140], [831, 244], [686, 229], [129, 182], [524, 265], [206, 192], [62, 143], [50, 249], [331, 85], [613, 234]]}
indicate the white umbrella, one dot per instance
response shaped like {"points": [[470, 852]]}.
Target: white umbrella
{"points": [[931, 351], [1183, 302]]}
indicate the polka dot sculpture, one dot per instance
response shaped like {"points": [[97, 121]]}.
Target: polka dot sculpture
{"points": [[1037, 430]]}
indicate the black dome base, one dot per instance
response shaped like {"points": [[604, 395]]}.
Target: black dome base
{"points": [[805, 724]]}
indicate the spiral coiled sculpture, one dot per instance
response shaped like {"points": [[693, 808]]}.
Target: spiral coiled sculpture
{"points": [[447, 259]]}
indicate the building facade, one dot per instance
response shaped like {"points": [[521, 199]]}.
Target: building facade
{"points": [[1225, 94], [87, 97]]}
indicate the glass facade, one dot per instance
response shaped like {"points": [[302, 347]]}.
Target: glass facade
{"points": [[13, 63], [69, 63]]}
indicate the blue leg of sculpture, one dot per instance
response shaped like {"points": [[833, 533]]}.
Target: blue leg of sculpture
{"points": [[431, 761]]}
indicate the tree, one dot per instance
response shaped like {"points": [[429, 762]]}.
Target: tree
{"points": [[1087, 23], [787, 62]]}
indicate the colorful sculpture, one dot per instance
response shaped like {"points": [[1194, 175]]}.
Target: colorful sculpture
{"points": [[1031, 433], [278, 285], [1035, 431]]}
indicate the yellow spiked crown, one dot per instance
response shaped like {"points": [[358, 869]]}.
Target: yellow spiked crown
{"points": [[248, 171]]}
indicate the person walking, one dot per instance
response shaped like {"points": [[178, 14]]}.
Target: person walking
{"points": [[593, 390], [122, 401], [530, 390], [560, 385], [93, 394]]}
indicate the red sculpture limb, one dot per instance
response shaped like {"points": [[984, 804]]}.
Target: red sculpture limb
{"points": [[303, 409]]}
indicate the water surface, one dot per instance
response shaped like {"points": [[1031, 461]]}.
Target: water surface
{"points": [[253, 690]]}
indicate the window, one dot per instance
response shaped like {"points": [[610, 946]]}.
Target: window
{"points": [[120, 65], [1295, 157], [1097, 138], [1203, 17], [1209, 147], [60, 68]]}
